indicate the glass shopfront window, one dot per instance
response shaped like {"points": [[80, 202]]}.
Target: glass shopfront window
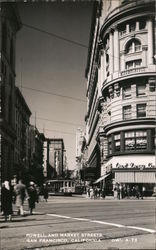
{"points": [[135, 140], [131, 141]]}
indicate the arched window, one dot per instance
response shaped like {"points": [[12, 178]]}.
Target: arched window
{"points": [[133, 46]]}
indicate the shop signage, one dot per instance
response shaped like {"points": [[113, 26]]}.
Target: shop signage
{"points": [[133, 165]]}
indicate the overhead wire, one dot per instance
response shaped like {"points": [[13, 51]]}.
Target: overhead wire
{"points": [[51, 93], [61, 132], [54, 35], [49, 120]]}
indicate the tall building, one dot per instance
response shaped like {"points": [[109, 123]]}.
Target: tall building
{"points": [[10, 24], [21, 145], [121, 89], [36, 155], [55, 158]]}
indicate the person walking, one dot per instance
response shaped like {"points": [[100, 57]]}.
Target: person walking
{"points": [[20, 190], [103, 193], [32, 196], [91, 193], [6, 200], [143, 192], [45, 192]]}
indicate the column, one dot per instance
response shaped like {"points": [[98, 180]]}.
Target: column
{"points": [[102, 67], [104, 60], [116, 50], [137, 26], [127, 28], [111, 52], [150, 41]]}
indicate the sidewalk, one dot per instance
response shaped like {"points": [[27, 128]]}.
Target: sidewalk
{"points": [[112, 198]]}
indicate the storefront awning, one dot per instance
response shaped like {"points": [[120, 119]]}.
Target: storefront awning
{"points": [[101, 178], [135, 177], [131, 162]]}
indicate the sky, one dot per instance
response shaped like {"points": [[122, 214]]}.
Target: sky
{"points": [[50, 71]]}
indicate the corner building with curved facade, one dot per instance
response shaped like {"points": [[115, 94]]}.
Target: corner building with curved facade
{"points": [[123, 55]]}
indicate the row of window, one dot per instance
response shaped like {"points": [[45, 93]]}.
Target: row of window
{"points": [[131, 141], [141, 111], [132, 26], [140, 90]]}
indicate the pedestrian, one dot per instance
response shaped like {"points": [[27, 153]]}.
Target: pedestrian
{"points": [[6, 200], [91, 193], [137, 192], [143, 192], [95, 192], [45, 192], [128, 192], [118, 193], [20, 190], [115, 193], [88, 192], [32, 196], [134, 192], [103, 193]]}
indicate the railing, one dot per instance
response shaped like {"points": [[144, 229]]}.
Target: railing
{"points": [[132, 71]]}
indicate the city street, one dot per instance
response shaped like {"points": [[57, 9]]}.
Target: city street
{"points": [[82, 223]]}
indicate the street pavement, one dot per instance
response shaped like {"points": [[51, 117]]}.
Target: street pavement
{"points": [[81, 223]]}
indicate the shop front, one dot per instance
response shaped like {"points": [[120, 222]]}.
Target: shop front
{"points": [[133, 171]]}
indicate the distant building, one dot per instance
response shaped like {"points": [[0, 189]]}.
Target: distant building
{"points": [[121, 85], [21, 146], [10, 24], [55, 158], [36, 155]]}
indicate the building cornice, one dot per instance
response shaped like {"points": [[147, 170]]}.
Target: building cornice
{"points": [[132, 10], [135, 122]]}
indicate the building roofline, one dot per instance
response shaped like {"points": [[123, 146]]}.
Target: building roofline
{"points": [[18, 92]]}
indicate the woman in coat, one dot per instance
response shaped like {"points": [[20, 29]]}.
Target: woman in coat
{"points": [[6, 200], [32, 196]]}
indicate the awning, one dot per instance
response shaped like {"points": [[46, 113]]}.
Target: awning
{"points": [[131, 161], [101, 178], [135, 177]]}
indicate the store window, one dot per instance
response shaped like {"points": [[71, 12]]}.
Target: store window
{"points": [[141, 140], [135, 140], [141, 110], [141, 89], [133, 46], [117, 142], [126, 92], [133, 64], [127, 112], [129, 141]]}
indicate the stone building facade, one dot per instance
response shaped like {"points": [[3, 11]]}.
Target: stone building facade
{"points": [[10, 25], [121, 93], [21, 144]]}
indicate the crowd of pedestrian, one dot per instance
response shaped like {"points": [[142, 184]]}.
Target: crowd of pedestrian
{"points": [[19, 193], [120, 192], [95, 193], [123, 191]]}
